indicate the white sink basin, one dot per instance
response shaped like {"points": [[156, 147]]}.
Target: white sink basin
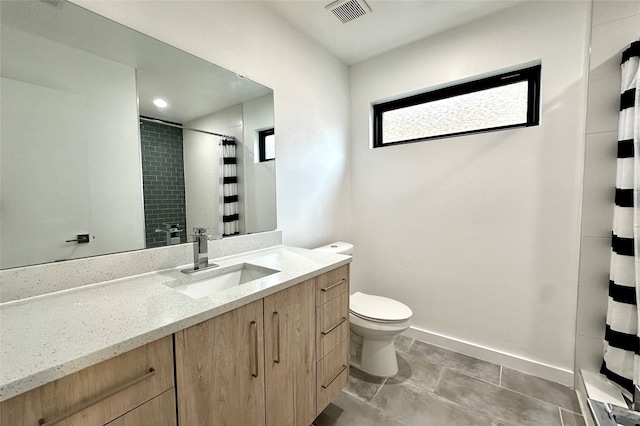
{"points": [[211, 281]]}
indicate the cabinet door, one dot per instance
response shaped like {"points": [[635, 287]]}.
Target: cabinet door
{"points": [[220, 369], [289, 327]]}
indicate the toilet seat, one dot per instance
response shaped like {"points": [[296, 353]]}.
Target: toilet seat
{"points": [[378, 309], [375, 319]]}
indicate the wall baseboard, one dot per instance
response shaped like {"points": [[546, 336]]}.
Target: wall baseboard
{"points": [[549, 372]]}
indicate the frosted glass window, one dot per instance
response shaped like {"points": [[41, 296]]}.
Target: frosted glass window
{"points": [[270, 147], [500, 102]]}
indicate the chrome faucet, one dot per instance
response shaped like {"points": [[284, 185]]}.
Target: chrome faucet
{"points": [[200, 251], [200, 248]]}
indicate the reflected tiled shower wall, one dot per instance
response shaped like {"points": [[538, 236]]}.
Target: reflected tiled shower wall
{"points": [[162, 181], [615, 24]]}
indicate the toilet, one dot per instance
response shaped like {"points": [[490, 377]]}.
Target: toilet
{"points": [[374, 322]]}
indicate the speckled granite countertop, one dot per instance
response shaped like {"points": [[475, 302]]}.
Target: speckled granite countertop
{"points": [[47, 337]]}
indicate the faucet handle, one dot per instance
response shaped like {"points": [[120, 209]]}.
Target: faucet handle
{"points": [[199, 231]]}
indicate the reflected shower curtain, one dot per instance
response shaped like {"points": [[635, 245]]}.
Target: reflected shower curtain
{"points": [[230, 216], [622, 344]]}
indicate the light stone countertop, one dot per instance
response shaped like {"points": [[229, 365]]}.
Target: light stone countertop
{"points": [[44, 338]]}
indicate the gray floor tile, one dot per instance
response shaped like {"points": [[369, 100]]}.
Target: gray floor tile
{"points": [[402, 343], [363, 385], [570, 418], [415, 406], [495, 401], [347, 410], [474, 367], [548, 391], [416, 371]]}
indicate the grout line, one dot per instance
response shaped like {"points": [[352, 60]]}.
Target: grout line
{"points": [[571, 411], [560, 412], [378, 391], [500, 379], [539, 400], [410, 345], [375, 407]]}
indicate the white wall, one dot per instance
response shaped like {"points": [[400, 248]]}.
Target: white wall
{"points": [[615, 24], [259, 177], [310, 92], [479, 234], [52, 194]]}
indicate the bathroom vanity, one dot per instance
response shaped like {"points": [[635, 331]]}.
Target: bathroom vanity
{"points": [[271, 351]]}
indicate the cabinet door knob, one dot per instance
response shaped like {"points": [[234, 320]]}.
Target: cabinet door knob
{"points": [[254, 362], [333, 285], [150, 373], [344, 367], [324, 333], [277, 351]]}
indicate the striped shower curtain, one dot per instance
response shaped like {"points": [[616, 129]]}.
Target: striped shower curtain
{"points": [[230, 216], [622, 344]]}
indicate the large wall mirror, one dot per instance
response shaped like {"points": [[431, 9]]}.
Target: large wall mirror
{"points": [[90, 165]]}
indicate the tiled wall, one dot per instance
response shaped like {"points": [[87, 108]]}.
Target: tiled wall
{"points": [[615, 24], [162, 180]]}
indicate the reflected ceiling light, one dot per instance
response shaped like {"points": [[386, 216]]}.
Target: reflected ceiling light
{"points": [[160, 103]]}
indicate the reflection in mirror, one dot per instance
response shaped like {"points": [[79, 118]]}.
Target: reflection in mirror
{"points": [[84, 150]]}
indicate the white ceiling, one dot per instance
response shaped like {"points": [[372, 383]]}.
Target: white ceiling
{"points": [[390, 24]]}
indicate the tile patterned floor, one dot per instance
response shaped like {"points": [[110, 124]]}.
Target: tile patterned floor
{"points": [[438, 387]]}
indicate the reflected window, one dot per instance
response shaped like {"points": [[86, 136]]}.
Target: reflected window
{"points": [[500, 102], [267, 145]]}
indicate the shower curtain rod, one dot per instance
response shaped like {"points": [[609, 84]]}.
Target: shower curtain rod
{"points": [[168, 123]]}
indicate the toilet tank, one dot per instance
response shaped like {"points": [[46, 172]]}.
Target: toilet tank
{"points": [[339, 247]]}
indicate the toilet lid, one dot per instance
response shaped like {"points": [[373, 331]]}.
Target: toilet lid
{"points": [[378, 308]]}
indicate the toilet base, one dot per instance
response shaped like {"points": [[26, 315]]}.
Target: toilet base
{"points": [[378, 358]]}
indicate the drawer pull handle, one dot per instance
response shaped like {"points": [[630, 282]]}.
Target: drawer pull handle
{"points": [[344, 367], [324, 333], [334, 285], [98, 399], [254, 357], [277, 357]]}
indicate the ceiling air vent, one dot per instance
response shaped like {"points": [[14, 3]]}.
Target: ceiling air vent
{"points": [[348, 10]]}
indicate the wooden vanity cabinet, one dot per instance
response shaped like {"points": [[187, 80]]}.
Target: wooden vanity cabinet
{"points": [[289, 329], [278, 361], [220, 369], [252, 366], [102, 393], [332, 335]]}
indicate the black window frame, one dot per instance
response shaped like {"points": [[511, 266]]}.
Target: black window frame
{"points": [[531, 74], [262, 152]]}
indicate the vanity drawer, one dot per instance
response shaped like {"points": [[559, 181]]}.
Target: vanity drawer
{"points": [[332, 284], [97, 394], [160, 411], [333, 374], [332, 324]]}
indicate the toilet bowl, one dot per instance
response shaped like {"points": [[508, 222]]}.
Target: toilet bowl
{"points": [[375, 321], [378, 320]]}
